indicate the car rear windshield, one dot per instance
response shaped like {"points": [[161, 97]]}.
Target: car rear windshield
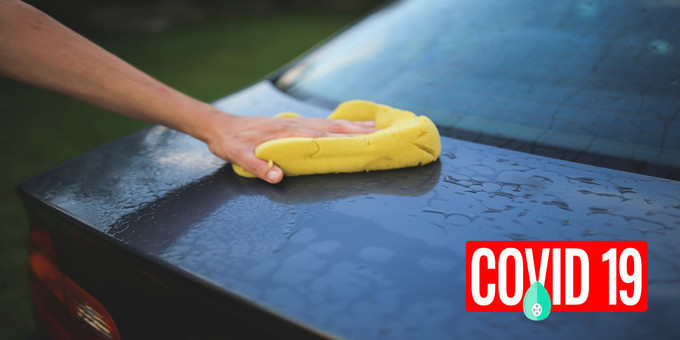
{"points": [[587, 80]]}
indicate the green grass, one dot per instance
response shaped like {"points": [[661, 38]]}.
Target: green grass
{"points": [[42, 129]]}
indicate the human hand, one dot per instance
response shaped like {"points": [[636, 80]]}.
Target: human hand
{"points": [[234, 138]]}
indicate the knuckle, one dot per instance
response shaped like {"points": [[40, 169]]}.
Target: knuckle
{"points": [[339, 125], [321, 134]]}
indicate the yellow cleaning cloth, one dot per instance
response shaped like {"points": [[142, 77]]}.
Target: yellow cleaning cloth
{"points": [[404, 140]]}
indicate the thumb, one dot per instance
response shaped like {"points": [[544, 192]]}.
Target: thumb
{"points": [[260, 168]]}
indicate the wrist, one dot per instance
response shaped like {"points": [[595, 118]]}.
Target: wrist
{"points": [[208, 124]]}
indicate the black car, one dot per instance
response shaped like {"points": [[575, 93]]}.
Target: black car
{"points": [[559, 121]]}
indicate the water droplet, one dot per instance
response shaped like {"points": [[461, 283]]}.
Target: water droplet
{"points": [[537, 302], [660, 47]]}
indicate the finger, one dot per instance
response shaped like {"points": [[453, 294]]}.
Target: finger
{"points": [[274, 175], [347, 127], [369, 123], [303, 132], [359, 127], [260, 168], [326, 134]]}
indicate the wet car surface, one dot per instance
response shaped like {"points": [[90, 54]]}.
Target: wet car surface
{"points": [[364, 255]]}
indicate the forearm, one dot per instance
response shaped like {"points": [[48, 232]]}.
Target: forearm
{"points": [[38, 50]]}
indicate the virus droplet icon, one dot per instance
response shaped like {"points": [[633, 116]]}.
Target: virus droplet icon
{"points": [[537, 302]]}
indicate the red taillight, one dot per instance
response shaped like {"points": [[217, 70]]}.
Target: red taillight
{"points": [[63, 308]]}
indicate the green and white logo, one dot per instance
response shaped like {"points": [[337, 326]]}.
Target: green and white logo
{"points": [[537, 302]]}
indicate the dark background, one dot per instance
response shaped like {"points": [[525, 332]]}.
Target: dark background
{"points": [[206, 49]]}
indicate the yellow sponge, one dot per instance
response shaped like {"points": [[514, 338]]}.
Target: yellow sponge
{"points": [[404, 140]]}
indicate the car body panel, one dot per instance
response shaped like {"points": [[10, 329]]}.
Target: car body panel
{"points": [[592, 82], [366, 255]]}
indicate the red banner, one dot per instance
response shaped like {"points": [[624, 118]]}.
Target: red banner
{"points": [[580, 276]]}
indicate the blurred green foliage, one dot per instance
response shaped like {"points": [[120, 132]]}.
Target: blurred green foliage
{"points": [[107, 16], [206, 59]]}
